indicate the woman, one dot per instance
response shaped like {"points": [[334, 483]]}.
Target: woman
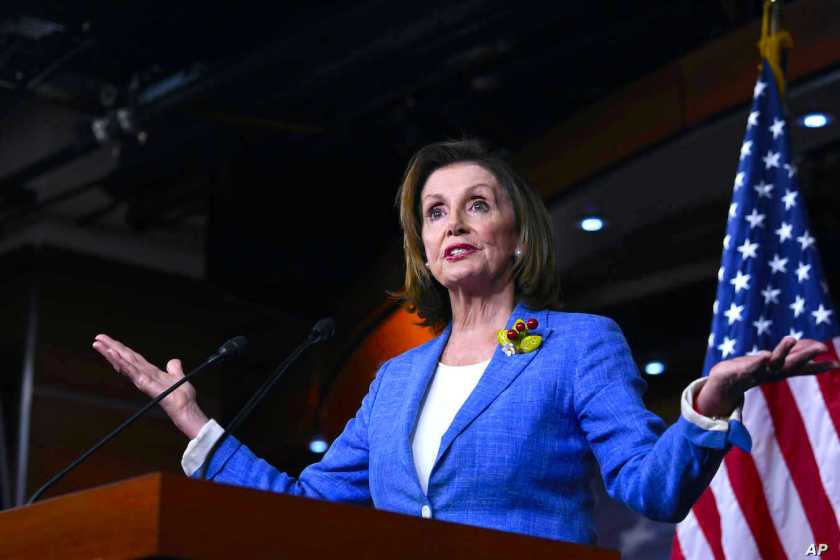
{"points": [[459, 430]]}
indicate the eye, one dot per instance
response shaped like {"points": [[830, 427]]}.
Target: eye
{"points": [[434, 213], [479, 206]]}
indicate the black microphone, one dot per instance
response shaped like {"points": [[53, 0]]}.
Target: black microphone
{"points": [[230, 349], [323, 330]]}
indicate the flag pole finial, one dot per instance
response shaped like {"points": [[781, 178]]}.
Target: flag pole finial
{"points": [[774, 40]]}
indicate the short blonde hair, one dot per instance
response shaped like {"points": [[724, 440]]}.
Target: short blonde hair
{"points": [[536, 281]]}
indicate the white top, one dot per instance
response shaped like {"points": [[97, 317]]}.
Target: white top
{"points": [[450, 388], [448, 391]]}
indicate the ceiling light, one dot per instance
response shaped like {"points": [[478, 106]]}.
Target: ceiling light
{"points": [[591, 223], [318, 445], [654, 368], [815, 119]]}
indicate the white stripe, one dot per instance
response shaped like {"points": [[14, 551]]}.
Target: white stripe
{"points": [[783, 500], [736, 537], [692, 540], [836, 342], [821, 435]]}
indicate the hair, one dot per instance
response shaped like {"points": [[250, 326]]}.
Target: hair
{"points": [[535, 277]]}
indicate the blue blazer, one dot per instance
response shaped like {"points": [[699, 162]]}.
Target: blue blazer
{"points": [[521, 452]]}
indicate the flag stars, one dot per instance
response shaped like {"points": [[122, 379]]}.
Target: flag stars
{"points": [[741, 282], [752, 120], [821, 315], [795, 334], [762, 325], [785, 232], [790, 199], [747, 249], [771, 159], [746, 149], [805, 240], [755, 219], [755, 351], [759, 88], [798, 306], [739, 180], [715, 307], [734, 313], [711, 339], [727, 347], [763, 189], [791, 170], [777, 127], [778, 264], [721, 272], [803, 271], [726, 241], [770, 294]]}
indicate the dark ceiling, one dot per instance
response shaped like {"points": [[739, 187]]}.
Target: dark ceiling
{"points": [[288, 128]]}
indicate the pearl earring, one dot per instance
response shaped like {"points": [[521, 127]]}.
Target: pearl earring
{"points": [[517, 253]]}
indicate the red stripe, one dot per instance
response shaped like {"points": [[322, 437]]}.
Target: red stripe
{"points": [[799, 456], [829, 383], [746, 485], [708, 518], [676, 551]]}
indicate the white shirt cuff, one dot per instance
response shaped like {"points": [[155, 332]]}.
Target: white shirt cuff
{"points": [[200, 446], [704, 422]]}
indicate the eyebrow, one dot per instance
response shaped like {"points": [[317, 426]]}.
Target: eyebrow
{"points": [[470, 188]]}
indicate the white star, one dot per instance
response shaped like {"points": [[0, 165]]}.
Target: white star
{"points": [[759, 88], [733, 209], [798, 306], [711, 339], [763, 189], [805, 240], [802, 271], [741, 282], [755, 219], [715, 306], [791, 169], [727, 346], [726, 241], [777, 127], [746, 149], [752, 120], [739, 180], [821, 315], [763, 325], [795, 334], [755, 351], [734, 313], [721, 270], [785, 232], [747, 250], [770, 295], [778, 264], [771, 159], [790, 199]]}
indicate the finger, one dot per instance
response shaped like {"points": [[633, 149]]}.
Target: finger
{"points": [[780, 352], [105, 352], [174, 367], [797, 359], [124, 351]]}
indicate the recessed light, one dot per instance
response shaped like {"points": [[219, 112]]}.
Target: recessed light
{"points": [[654, 368], [815, 120], [591, 223], [318, 445]]}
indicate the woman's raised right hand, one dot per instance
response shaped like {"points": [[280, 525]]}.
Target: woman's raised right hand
{"points": [[181, 406]]}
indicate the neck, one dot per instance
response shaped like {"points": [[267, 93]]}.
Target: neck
{"points": [[485, 313]]}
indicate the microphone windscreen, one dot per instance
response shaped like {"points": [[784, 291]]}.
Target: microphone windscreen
{"points": [[323, 329], [233, 347]]}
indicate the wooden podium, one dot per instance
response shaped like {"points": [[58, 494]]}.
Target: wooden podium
{"points": [[169, 516]]}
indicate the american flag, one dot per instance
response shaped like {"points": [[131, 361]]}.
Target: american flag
{"points": [[784, 496]]}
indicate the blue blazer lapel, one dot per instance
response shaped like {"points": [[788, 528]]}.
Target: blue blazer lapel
{"points": [[500, 373], [422, 369]]}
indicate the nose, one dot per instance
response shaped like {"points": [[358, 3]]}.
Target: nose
{"points": [[456, 225]]}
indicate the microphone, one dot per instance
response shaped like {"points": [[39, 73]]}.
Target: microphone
{"points": [[230, 349], [321, 331]]}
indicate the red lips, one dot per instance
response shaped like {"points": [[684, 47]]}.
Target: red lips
{"points": [[458, 251]]}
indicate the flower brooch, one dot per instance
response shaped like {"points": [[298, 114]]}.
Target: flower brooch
{"points": [[517, 340]]}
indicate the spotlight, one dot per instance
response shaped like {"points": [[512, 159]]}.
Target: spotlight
{"points": [[318, 445], [815, 120], [654, 368], [591, 223]]}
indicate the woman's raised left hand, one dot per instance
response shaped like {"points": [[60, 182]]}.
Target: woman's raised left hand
{"points": [[730, 379]]}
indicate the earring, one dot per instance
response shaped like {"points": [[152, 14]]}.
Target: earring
{"points": [[517, 253], [427, 264]]}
